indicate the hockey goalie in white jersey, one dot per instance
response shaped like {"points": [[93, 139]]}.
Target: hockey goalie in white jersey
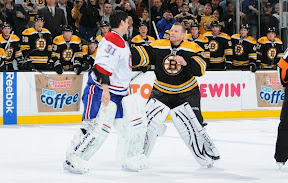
{"points": [[176, 92], [106, 104]]}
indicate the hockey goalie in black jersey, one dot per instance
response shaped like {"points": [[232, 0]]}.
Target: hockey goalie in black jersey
{"points": [[244, 50], [67, 52], [176, 91], [270, 50]]}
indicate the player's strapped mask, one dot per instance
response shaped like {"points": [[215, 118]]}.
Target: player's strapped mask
{"points": [[6, 24], [271, 29], [215, 23], [39, 18], [67, 28], [244, 26]]}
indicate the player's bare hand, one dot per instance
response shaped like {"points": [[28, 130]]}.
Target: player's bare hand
{"points": [[105, 95], [180, 60]]}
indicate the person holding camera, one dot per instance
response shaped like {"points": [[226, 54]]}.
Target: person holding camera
{"points": [[166, 23], [76, 15], [16, 16]]}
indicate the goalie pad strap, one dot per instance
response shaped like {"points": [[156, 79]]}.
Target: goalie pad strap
{"points": [[157, 113]]}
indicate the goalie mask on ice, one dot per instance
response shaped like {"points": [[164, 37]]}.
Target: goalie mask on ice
{"points": [[87, 141], [194, 135]]}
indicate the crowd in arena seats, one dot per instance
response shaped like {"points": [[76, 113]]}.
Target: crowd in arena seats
{"points": [[87, 19]]}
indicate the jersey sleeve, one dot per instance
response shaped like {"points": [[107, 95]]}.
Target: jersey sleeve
{"points": [[283, 69], [196, 64], [142, 56]]}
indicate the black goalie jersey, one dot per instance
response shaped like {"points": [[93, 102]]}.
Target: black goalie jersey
{"points": [[37, 47], [244, 51], [171, 78], [67, 52], [12, 51], [220, 50], [269, 52]]}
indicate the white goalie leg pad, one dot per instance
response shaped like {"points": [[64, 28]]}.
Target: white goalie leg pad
{"points": [[89, 139], [185, 122], [157, 113], [132, 129]]}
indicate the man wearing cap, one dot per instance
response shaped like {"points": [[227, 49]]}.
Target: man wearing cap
{"points": [[104, 28], [142, 38], [11, 44], [270, 50], [67, 52], [36, 46], [244, 50], [219, 47], [196, 37], [89, 54]]}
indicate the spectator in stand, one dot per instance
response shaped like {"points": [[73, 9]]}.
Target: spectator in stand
{"points": [[90, 18], [54, 18], [157, 11], [229, 20], [16, 16], [268, 20], [166, 23], [215, 6], [107, 12], [145, 19], [176, 7], [139, 7], [277, 12], [126, 7], [223, 5], [206, 19], [2, 18], [76, 15], [63, 4], [184, 15], [195, 7], [132, 31], [250, 9], [32, 7], [116, 3]]}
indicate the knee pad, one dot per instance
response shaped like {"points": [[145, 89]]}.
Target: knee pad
{"points": [[88, 140], [157, 113], [194, 135]]}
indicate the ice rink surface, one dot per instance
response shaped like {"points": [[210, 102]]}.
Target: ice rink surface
{"points": [[34, 154]]}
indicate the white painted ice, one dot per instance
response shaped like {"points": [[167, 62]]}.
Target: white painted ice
{"points": [[34, 154]]}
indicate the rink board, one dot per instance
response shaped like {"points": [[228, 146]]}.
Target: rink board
{"points": [[32, 98]]}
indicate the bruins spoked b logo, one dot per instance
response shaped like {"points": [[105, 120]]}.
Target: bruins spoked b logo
{"points": [[239, 49], [213, 46], [40, 44], [9, 53], [170, 66], [271, 53], [67, 54]]}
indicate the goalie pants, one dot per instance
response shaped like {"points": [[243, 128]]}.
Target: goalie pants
{"points": [[281, 154], [92, 100], [174, 100]]}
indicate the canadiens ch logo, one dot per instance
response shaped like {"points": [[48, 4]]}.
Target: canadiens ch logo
{"points": [[213, 46], [67, 54], [40, 44], [239, 49], [271, 53], [170, 66]]}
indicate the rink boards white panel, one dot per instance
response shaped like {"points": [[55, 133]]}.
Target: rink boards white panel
{"points": [[229, 94]]}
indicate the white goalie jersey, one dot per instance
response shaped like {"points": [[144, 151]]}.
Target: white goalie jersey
{"points": [[114, 59]]}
